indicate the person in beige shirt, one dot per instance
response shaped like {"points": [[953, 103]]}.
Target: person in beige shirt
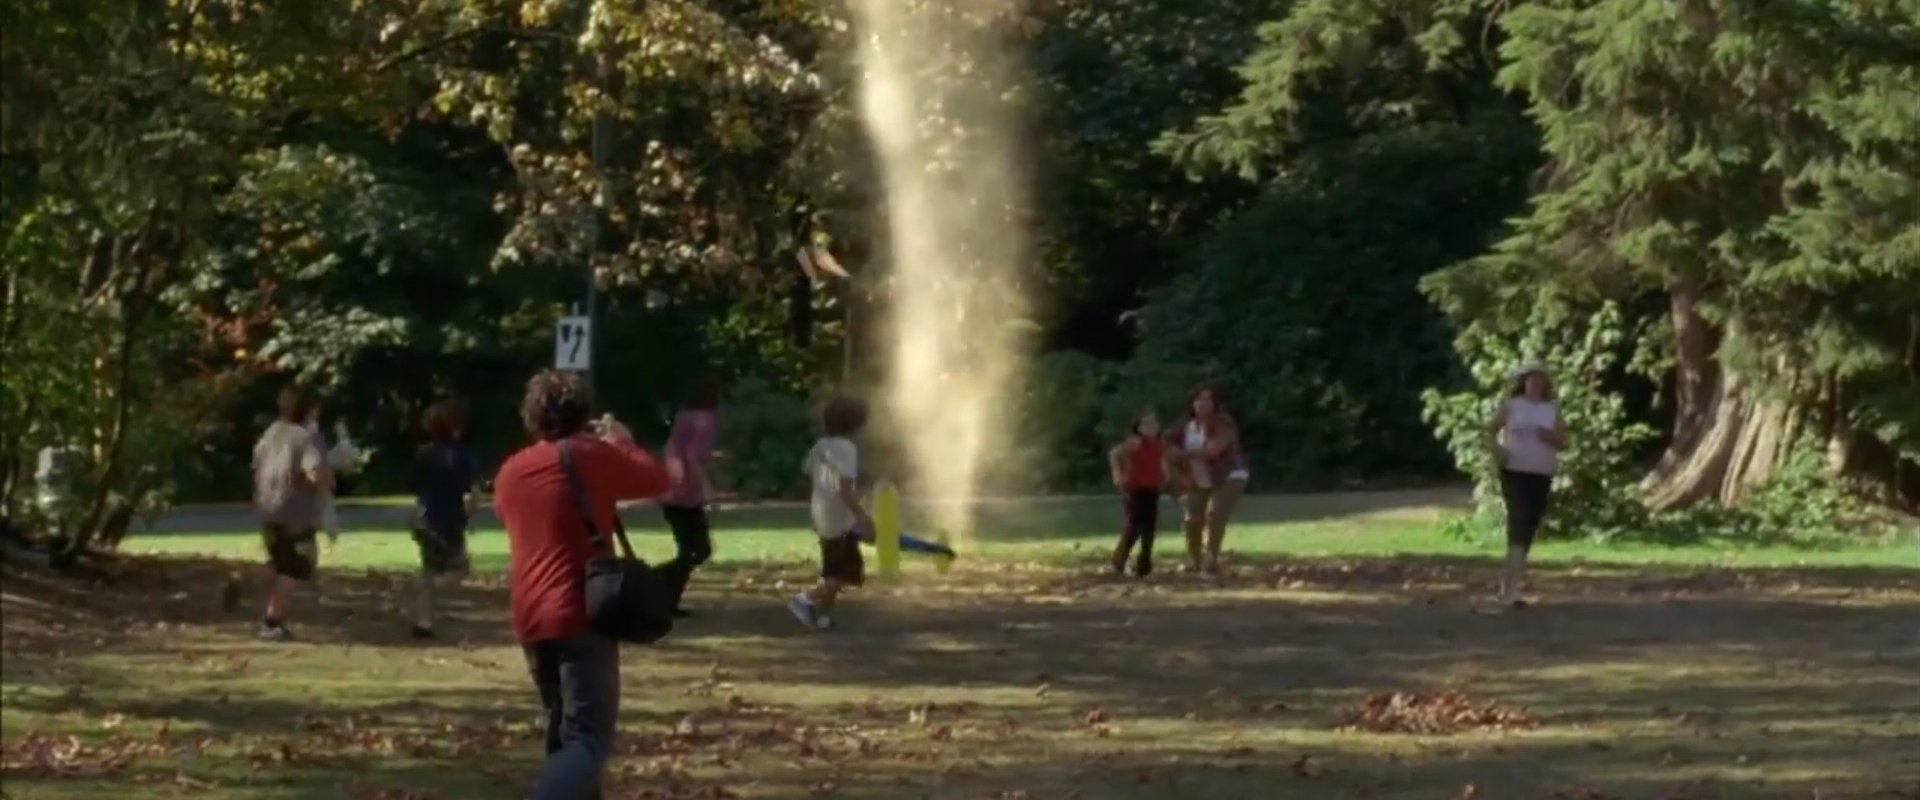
{"points": [[1212, 472], [292, 486]]}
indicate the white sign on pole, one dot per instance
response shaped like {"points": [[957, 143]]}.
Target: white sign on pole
{"points": [[573, 344]]}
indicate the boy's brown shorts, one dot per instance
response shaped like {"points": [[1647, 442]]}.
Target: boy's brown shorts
{"points": [[290, 550], [442, 553], [840, 561]]}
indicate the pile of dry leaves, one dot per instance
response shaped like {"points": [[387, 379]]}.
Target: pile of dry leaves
{"points": [[41, 755], [1443, 712]]}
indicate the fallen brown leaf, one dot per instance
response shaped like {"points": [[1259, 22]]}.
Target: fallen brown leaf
{"points": [[1583, 794], [1435, 713]]}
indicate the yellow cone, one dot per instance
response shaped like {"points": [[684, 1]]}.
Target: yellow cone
{"points": [[943, 563], [886, 534]]}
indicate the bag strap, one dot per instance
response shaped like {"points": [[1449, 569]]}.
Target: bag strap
{"points": [[578, 489]]}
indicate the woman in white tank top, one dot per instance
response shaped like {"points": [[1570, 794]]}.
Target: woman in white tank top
{"points": [[1526, 436], [1211, 469]]}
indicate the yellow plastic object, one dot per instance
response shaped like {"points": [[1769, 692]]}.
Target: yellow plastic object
{"points": [[886, 534], [943, 563]]}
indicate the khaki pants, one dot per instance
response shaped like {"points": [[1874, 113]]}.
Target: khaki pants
{"points": [[1208, 510]]}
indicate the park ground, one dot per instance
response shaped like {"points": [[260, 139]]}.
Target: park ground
{"points": [[1346, 654]]}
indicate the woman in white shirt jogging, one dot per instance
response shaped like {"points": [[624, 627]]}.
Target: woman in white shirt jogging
{"points": [[1526, 436]]}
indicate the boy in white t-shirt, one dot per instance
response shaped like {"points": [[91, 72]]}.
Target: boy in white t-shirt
{"points": [[833, 467]]}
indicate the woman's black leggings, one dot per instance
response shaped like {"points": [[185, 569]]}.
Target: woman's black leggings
{"points": [[1142, 519], [693, 543], [1526, 495]]}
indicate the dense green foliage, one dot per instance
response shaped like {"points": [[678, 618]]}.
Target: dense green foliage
{"points": [[1351, 215], [1305, 308], [1749, 168], [1599, 465], [1758, 159]]}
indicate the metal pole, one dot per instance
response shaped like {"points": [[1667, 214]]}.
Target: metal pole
{"points": [[602, 139]]}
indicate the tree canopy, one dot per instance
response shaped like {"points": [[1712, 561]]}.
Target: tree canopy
{"points": [[1347, 213], [1751, 164]]}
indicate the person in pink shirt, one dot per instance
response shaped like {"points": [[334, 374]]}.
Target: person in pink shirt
{"points": [[689, 454]]}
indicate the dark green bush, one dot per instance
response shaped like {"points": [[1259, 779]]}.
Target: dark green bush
{"points": [[1802, 504], [1057, 441], [1595, 492], [764, 435], [1306, 308]]}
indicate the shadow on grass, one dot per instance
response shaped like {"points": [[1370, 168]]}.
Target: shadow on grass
{"points": [[1011, 520], [1756, 683], [1725, 683]]}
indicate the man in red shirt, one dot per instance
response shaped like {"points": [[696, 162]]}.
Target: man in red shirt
{"points": [[576, 669]]}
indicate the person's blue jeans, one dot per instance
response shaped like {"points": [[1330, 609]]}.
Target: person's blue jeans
{"points": [[579, 683]]}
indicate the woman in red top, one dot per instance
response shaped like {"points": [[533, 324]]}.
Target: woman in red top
{"points": [[576, 669], [1140, 473]]}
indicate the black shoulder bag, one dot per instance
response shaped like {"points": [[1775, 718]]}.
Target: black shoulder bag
{"points": [[627, 600]]}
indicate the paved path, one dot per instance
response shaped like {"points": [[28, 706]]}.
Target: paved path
{"points": [[379, 515]]}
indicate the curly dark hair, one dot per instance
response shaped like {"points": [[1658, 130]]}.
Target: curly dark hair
{"points": [[706, 394], [843, 416], [445, 420], [296, 404], [558, 405], [1219, 405], [1139, 418]]}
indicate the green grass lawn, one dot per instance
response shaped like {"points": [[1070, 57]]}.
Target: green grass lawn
{"points": [[1686, 673], [1069, 531]]}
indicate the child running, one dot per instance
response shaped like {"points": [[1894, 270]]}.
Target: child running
{"points": [[1140, 473], [292, 486], [689, 454], [445, 489], [329, 512], [833, 466]]}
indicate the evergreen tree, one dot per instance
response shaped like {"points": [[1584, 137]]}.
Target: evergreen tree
{"points": [[1756, 164]]}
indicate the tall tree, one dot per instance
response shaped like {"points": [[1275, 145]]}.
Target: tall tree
{"points": [[124, 123], [1755, 163], [713, 162], [1113, 220], [1378, 157]]}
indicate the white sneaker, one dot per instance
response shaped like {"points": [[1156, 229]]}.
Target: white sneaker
{"points": [[823, 622], [802, 609]]}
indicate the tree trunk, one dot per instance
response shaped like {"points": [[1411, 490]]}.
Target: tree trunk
{"points": [[1725, 439], [134, 302], [1857, 454], [800, 311], [1696, 344], [846, 336], [12, 431]]}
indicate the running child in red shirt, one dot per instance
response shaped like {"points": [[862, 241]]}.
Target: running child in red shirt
{"points": [[1140, 473]]}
